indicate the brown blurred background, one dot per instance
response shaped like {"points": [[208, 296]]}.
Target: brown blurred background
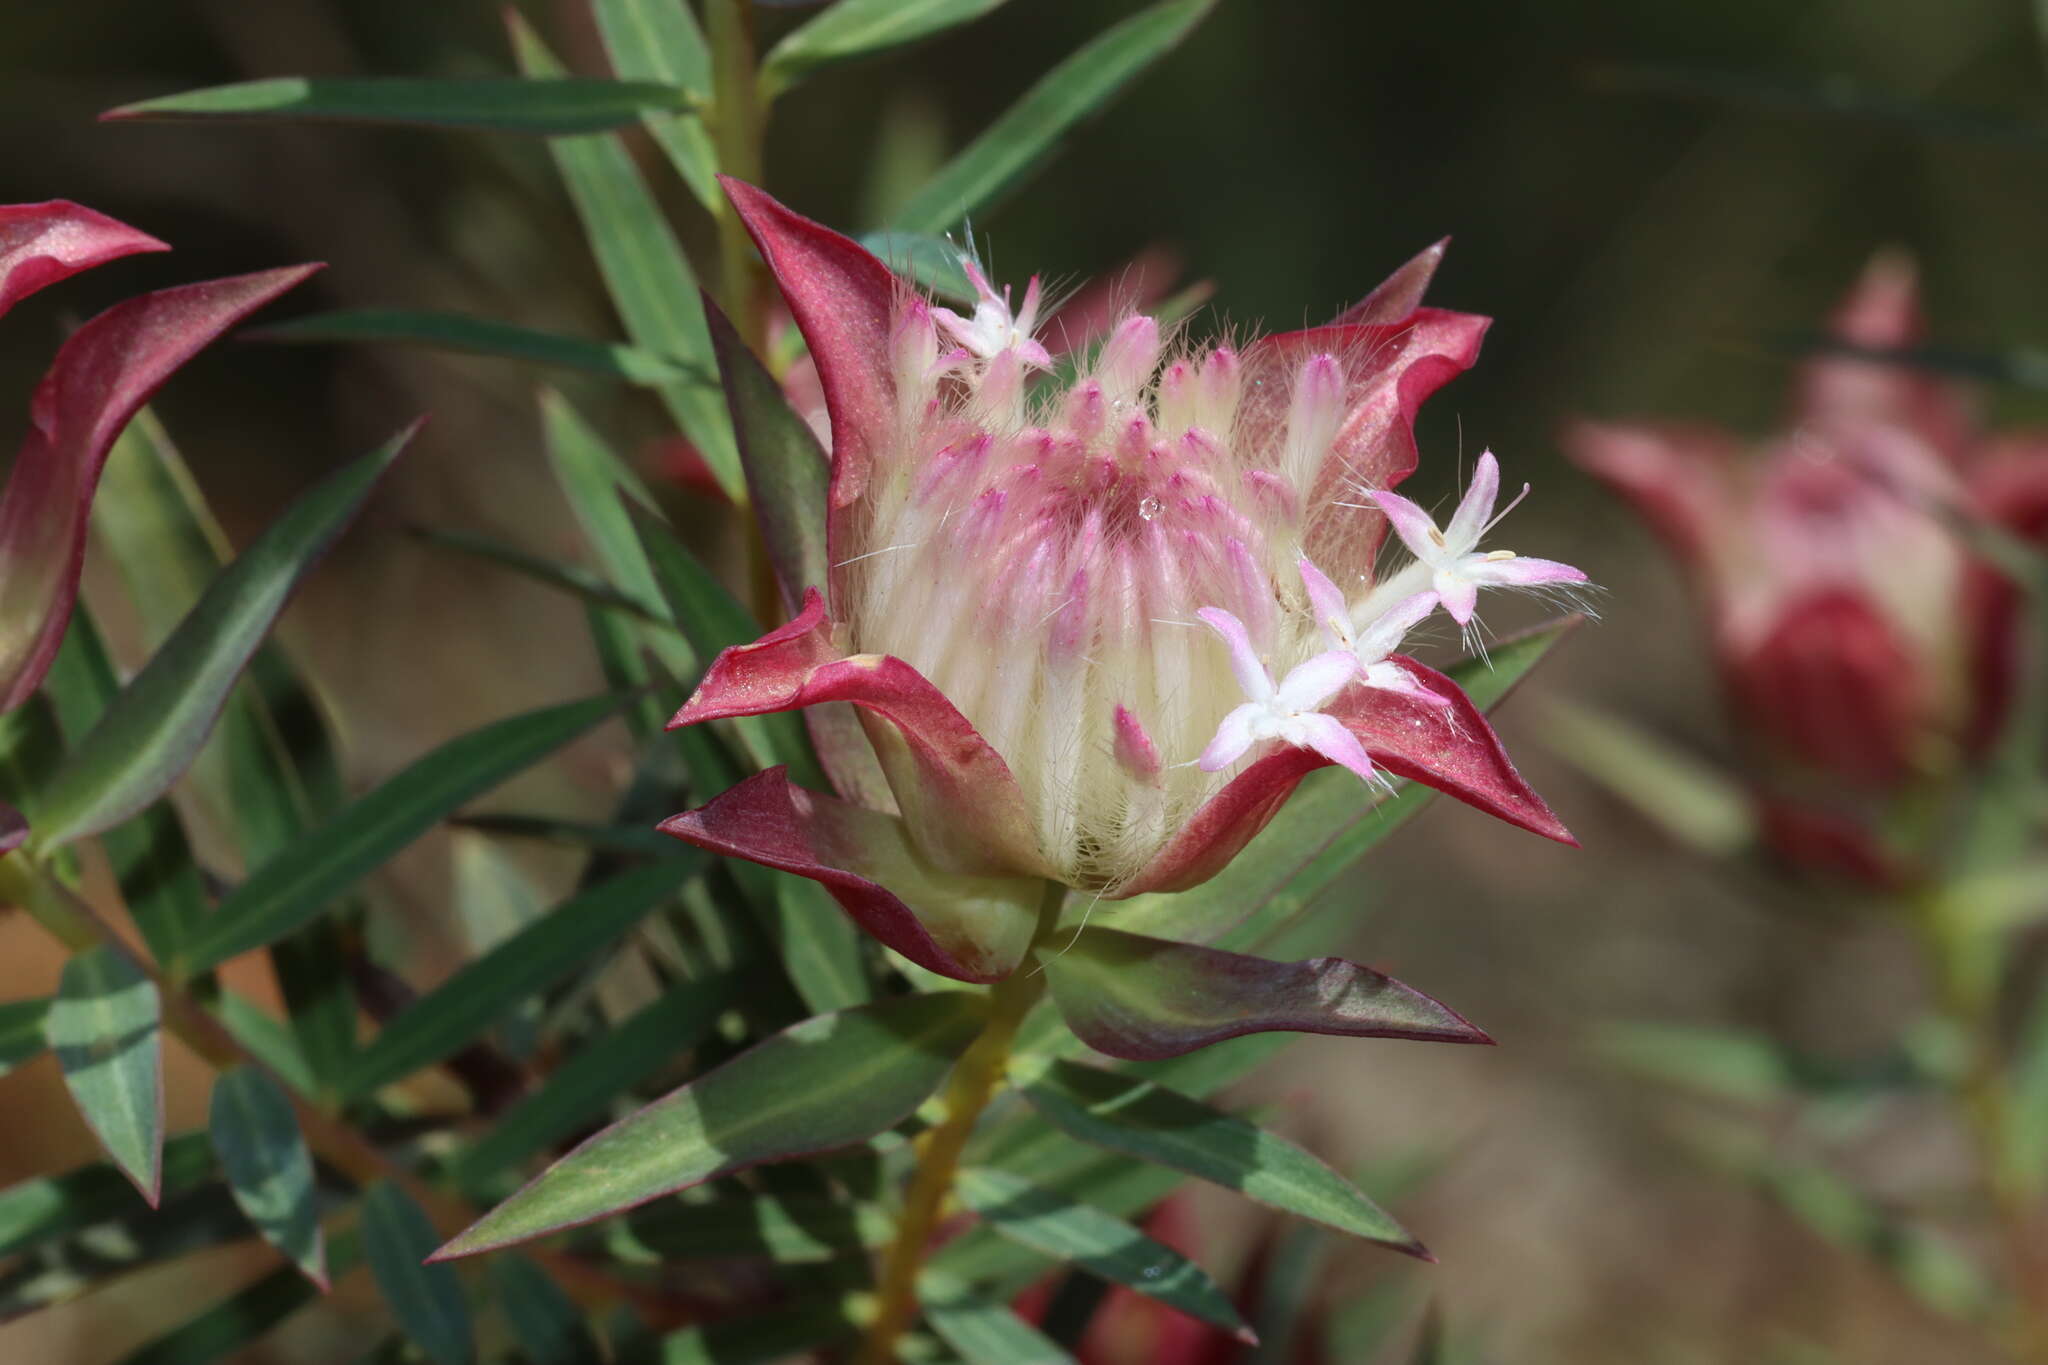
{"points": [[1637, 250]]}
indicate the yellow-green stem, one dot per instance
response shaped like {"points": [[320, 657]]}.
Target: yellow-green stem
{"points": [[739, 122], [1965, 982], [975, 1081]]}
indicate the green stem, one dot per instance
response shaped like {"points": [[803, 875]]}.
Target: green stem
{"points": [[1966, 985], [739, 124], [975, 1081]]}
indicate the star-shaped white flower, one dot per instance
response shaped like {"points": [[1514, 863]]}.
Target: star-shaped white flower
{"points": [[1291, 712], [994, 329], [1380, 637], [1458, 568]]}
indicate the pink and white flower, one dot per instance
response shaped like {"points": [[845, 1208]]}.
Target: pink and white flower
{"points": [[1019, 573]]}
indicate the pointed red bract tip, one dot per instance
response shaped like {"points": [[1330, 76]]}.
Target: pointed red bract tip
{"points": [[41, 244]]}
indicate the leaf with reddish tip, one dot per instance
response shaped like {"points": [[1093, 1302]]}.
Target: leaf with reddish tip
{"points": [[151, 732], [1400, 293], [41, 244], [970, 928], [817, 1086], [103, 374], [1145, 999], [844, 302], [106, 1028], [269, 1169]]}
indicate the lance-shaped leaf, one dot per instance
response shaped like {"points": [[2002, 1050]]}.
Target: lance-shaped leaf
{"points": [[106, 1028], [659, 40], [817, 1086], [325, 861], [41, 244], [552, 107], [983, 1329], [1100, 1243], [545, 1322], [465, 335], [268, 1167], [1146, 999], [1138, 1118], [425, 1298], [1063, 97], [158, 723], [790, 1229], [22, 1032], [102, 375], [52, 1206], [860, 28]]}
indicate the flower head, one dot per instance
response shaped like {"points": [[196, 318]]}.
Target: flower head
{"points": [[1018, 568]]}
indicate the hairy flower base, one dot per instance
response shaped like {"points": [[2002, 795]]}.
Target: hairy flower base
{"points": [[1023, 569]]}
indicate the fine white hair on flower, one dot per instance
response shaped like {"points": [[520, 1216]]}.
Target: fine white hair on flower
{"points": [[1047, 546]]}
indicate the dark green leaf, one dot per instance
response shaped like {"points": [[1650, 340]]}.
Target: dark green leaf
{"points": [[243, 1317], [650, 280], [793, 1328], [817, 1086], [465, 1006], [55, 1205], [569, 578], [1099, 1242], [659, 40], [984, 1330], [580, 1089], [931, 262], [298, 883], [106, 1028], [1140, 1119], [1065, 95], [467, 335], [22, 1033], [792, 1229], [860, 28], [426, 1299], [545, 1323], [268, 1167], [152, 730], [628, 839], [567, 105]]}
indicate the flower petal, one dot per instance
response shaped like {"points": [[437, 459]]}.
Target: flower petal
{"points": [[102, 375], [1459, 594], [41, 244], [1385, 632], [1522, 571], [1328, 737], [1312, 682], [1232, 738], [953, 789], [1475, 509], [1415, 527], [1401, 292], [1333, 613], [1252, 678], [966, 927], [844, 301], [1146, 999]]}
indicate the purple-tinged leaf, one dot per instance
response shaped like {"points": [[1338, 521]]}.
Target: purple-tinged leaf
{"points": [[102, 376], [1145, 999], [41, 244], [13, 829]]}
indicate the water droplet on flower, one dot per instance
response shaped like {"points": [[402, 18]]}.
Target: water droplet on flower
{"points": [[1149, 508]]}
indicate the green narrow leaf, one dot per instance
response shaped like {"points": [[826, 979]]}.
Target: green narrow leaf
{"points": [[544, 1322], [106, 1028], [599, 487], [1068, 93], [426, 1299], [931, 262], [659, 40], [650, 280], [465, 1006], [299, 882], [569, 578], [551, 107], [465, 335], [792, 1329], [1100, 1243], [861, 28], [242, 1317], [581, 1088], [823, 1084], [630, 839], [152, 730], [1140, 1119], [23, 1036], [983, 1330], [1687, 798], [821, 949], [268, 1167], [51, 1206], [792, 1229]]}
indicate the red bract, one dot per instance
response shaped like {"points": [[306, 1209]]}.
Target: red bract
{"points": [[1020, 576], [1853, 630], [102, 376]]}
